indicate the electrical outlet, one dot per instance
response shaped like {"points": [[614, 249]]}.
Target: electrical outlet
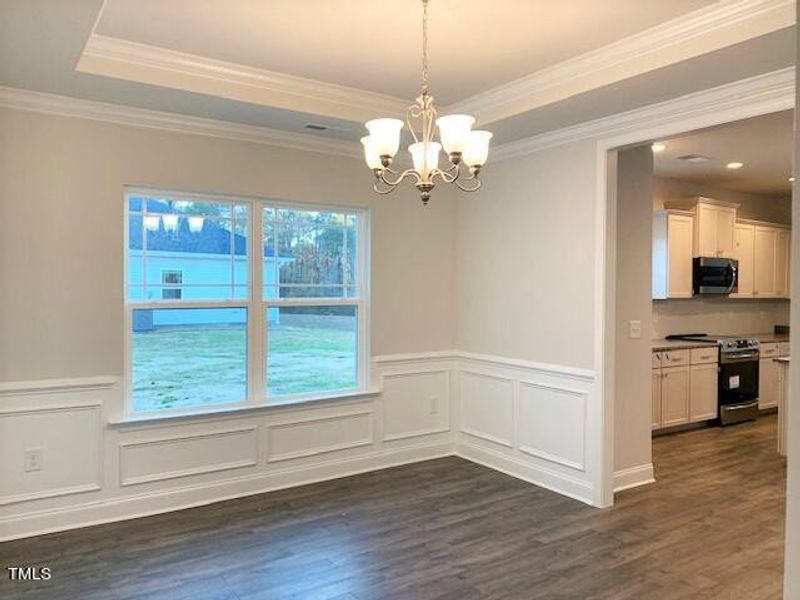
{"points": [[635, 330], [33, 459], [434, 402]]}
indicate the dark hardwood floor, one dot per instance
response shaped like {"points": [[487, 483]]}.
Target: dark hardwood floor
{"points": [[710, 528]]}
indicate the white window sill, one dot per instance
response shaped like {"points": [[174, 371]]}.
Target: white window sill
{"points": [[238, 410]]}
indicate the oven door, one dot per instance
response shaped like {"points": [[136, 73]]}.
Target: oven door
{"points": [[738, 378], [714, 275]]}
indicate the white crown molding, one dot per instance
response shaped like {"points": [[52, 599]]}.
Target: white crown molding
{"points": [[140, 117], [114, 57], [716, 26], [763, 94]]}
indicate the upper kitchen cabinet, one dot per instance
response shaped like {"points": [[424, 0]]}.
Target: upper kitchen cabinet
{"points": [[744, 243], [764, 280], [673, 234], [763, 251], [714, 230], [783, 251]]}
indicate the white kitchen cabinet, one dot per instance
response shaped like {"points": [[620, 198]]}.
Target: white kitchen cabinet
{"points": [[768, 383], [655, 415], [714, 230], [684, 386], [672, 254], [763, 251], [745, 252], [782, 254], [674, 396], [703, 392], [764, 260]]}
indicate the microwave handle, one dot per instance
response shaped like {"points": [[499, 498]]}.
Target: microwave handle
{"points": [[732, 277]]}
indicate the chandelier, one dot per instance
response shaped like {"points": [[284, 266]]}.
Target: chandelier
{"points": [[467, 150]]}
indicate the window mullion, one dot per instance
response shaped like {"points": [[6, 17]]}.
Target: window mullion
{"points": [[257, 331]]}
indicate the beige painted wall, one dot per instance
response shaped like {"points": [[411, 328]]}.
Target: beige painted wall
{"points": [[61, 228], [753, 206], [634, 218], [791, 586], [525, 262]]}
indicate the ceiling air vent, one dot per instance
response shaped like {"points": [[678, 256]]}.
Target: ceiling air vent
{"points": [[694, 158], [316, 127]]}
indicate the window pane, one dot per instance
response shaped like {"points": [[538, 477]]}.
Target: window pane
{"points": [[311, 349], [188, 357], [199, 239], [309, 254]]}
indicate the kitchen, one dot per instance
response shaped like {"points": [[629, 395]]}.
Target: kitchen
{"points": [[720, 276]]}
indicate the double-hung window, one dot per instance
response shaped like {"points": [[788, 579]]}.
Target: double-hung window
{"points": [[233, 301]]}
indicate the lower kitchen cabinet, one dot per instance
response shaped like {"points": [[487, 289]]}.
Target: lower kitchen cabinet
{"points": [[686, 393], [703, 392], [768, 383], [675, 396], [655, 415]]}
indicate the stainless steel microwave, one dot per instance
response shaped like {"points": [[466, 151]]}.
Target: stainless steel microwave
{"points": [[715, 275]]}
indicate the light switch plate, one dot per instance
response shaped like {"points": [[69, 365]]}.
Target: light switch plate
{"points": [[635, 330]]}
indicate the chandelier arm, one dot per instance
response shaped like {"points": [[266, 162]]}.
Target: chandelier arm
{"points": [[403, 175], [388, 190], [472, 188], [448, 176]]}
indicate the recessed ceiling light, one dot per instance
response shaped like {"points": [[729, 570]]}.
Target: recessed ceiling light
{"points": [[316, 126], [694, 158], [658, 147], [734, 165], [791, 179]]}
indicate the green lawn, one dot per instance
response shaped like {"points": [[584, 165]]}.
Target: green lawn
{"points": [[174, 367]]}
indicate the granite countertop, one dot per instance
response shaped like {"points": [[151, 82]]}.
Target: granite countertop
{"points": [[763, 338], [768, 338], [659, 345]]}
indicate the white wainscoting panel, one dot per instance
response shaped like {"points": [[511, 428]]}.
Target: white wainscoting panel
{"points": [[541, 406], [416, 403], [319, 435], [536, 415], [524, 419], [487, 406], [64, 420], [183, 455]]}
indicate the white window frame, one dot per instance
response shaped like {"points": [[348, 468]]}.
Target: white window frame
{"points": [[256, 305]]}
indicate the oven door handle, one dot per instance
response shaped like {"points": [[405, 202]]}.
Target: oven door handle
{"points": [[739, 357]]}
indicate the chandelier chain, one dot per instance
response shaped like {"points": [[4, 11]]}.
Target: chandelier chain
{"points": [[424, 46]]}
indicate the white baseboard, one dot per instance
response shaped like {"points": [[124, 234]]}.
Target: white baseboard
{"points": [[527, 471], [161, 501], [632, 477]]}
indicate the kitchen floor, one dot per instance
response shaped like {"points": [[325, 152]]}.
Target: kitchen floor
{"points": [[711, 527]]}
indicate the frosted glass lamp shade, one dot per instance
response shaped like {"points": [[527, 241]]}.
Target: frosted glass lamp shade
{"points": [[425, 161], [196, 224], [477, 149], [385, 134], [170, 222], [371, 154], [151, 222], [454, 131]]}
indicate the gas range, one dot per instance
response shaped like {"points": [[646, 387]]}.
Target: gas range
{"points": [[726, 343], [737, 387]]}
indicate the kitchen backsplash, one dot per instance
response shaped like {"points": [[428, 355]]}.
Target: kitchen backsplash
{"points": [[718, 315]]}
